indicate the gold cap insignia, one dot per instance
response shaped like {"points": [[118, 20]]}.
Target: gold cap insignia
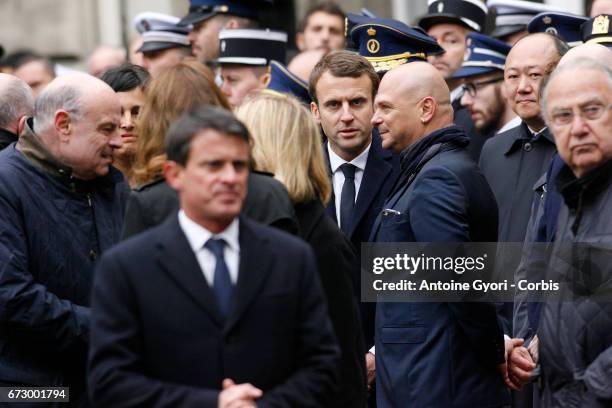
{"points": [[547, 20], [601, 25], [371, 32], [373, 46]]}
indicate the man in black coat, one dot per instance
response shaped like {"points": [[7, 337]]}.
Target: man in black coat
{"points": [[343, 86], [62, 207], [16, 103], [210, 309], [433, 354]]}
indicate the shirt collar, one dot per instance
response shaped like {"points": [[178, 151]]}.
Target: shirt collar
{"points": [[197, 235], [336, 161]]}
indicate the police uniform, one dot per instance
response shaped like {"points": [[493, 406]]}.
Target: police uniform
{"points": [[282, 80], [388, 43], [564, 25], [253, 47], [201, 10], [512, 16], [160, 32], [597, 30], [484, 55]]}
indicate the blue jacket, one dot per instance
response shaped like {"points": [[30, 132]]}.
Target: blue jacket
{"points": [[52, 229], [439, 354]]}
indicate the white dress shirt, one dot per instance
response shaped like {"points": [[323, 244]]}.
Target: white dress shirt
{"points": [[335, 162], [197, 236]]}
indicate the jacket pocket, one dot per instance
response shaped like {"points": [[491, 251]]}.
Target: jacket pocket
{"points": [[403, 335]]}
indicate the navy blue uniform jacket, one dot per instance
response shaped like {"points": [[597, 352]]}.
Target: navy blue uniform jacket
{"points": [[439, 354], [158, 339]]}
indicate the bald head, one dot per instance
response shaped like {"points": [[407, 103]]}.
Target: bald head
{"points": [[16, 101], [103, 58], [413, 100], [73, 93], [597, 52], [418, 80], [302, 64]]}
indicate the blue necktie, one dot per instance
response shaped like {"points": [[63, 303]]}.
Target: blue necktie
{"points": [[347, 198], [222, 283]]}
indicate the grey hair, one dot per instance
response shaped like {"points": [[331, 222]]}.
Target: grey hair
{"points": [[585, 63], [16, 100], [51, 100]]}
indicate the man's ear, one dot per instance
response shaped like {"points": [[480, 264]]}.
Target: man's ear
{"points": [[315, 112], [428, 109], [299, 41], [21, 124], [173, 173], [63, 125], [264, 80]]}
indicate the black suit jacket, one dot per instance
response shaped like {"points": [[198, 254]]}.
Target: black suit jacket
{"points": [[336, 261], [267, 201], [379, 176], [158, 340]]}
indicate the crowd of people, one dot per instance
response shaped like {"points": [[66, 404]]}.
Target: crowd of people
{"points": [[186, 228]]}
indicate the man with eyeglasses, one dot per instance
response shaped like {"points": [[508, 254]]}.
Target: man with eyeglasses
{"points": [[483, 75], [577, 102]]}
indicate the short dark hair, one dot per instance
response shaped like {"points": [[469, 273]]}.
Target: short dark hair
{"points": [[329, 7], [126, 77], [182, 132], [342, 63]]}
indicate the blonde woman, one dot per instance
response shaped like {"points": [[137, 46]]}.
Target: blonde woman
{"points": [[286, 142]]}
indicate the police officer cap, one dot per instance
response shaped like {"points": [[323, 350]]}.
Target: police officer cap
{"points": [[512, 16], [564, 25], [200, 10], [471, 14], [281, 80], [597, 30], [387, 43], [160, 31], [251, 46], [484, 55]]}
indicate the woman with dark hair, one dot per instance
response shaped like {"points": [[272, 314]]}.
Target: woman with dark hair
{"points": [[128, 82]]}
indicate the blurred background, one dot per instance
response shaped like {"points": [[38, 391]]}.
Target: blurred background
{"points": [[67, 31]]}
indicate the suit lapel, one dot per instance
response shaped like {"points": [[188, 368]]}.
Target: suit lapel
{"points": [[330, 209], [256, 262], [376, 171], [179, 262]]}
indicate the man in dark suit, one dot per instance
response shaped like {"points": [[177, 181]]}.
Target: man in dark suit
{"points": [[210, 309], [343, 86], [434, 354]]}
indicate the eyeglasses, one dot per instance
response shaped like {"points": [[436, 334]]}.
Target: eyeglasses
{"points": [[472, 87], [590, 112]]}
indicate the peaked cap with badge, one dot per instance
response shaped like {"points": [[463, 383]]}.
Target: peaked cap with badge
{"points": [[471, 14], [257, 47], [512, 16], [597, 30], [484, 55], [388, 43], [282, 80], [160, 31], [201, 10], [564, 25]]}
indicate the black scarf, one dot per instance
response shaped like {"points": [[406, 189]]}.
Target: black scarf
{"points": [[412, 155]]}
